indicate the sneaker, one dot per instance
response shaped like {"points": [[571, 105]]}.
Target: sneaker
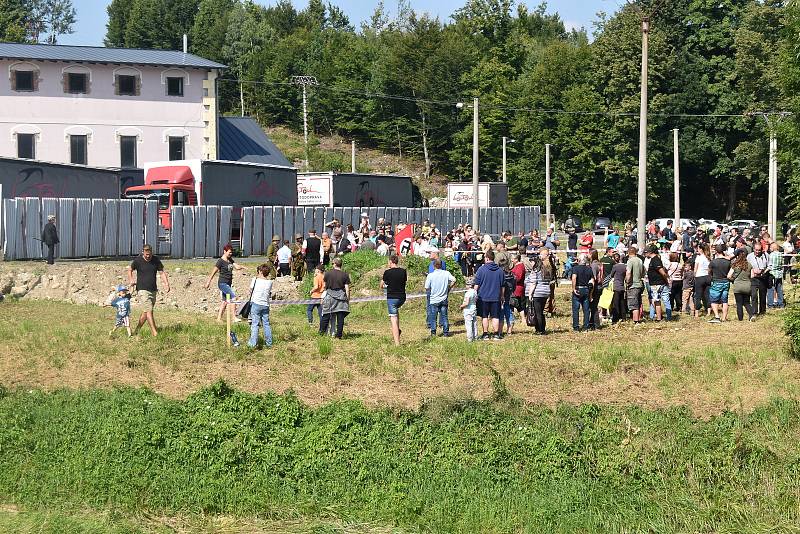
{"points": [[715, 320], [485, 336], [234, 340], [752, 318], [496, 337]]}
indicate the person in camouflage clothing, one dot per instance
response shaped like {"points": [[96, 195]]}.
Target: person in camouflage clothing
{"points": [[272, 251], [298, 263]]}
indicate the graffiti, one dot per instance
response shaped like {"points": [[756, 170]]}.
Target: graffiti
{"points": [[366, 198]]}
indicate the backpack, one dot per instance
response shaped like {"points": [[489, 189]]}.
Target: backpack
{"points": [[510, 283]]}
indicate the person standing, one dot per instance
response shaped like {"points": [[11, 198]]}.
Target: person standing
{"points": [[298, 265], [702, 280], [316, 294], [518, 298], [272, 251], [225, 266], [489, 285], [260, 291], [146, 266], [619, 311], [50, 238], [312, 251], [439, 283], [720, 267], [740, 276], [537, 286], [469, 307], [775, 292], [336, 302], [394, 280], [582, 285], [634, 272], [284, 258], [758, 288], [659, 284]]}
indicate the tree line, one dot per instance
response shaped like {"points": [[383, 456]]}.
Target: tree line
{"points": [[393, 81]]}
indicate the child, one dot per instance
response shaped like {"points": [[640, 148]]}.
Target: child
{"points": [[687, 296], [470, 318], [122, 302], [316, 293]]}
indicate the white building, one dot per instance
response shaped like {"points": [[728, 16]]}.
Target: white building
{"points": [[106, 107]]}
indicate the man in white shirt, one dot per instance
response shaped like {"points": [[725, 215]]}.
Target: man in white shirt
{"points": [[439, 283], [758, 279], [284, 259]]}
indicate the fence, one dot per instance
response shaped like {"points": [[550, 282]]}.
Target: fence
{"points": [[118, 228], [259, 224]]}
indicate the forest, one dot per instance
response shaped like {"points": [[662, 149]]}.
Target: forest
{"points": [[393, 83]]}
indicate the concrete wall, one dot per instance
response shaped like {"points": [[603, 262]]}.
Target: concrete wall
{"points": [[52, 114]]}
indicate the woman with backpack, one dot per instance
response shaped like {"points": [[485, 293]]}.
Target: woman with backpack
{"points": [[739, 275], [537, 287]]}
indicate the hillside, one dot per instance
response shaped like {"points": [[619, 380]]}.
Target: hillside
{"points": [[328, 153]]}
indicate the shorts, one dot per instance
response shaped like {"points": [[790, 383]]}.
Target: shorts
{"points": [[393, 305], [226, 290], [147, 299], [718, 293], [657, 293], [519, 303], [633, 296], [123, 321], [490, 310]]}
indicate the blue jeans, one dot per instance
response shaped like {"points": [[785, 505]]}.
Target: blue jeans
{"points": [[777, 288], [259, 315], [508, 313], [581, 300], [310, 312], [439, 309]]}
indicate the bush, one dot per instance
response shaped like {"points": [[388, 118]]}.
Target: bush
{"points": [[457, 466], [791, 327]]}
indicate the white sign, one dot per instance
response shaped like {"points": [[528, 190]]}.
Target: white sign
{"points": [[314, 190], [460, 196]]}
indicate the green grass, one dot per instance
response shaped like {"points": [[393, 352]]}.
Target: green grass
{"points": [[456, 465]]}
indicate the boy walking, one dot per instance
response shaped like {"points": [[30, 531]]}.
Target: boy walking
{"points": [[470, 309], [122, 303]]}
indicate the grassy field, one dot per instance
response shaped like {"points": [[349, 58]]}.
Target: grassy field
{"points": [[671, 427]]}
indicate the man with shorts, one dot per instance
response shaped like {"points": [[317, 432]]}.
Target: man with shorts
{"points": [[720, 266], [146, 266], [659, 284], [489, 285], [634, 271], [394, 280]]}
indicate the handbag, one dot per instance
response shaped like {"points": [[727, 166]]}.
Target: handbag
{"points": [[244, 311], [530, 314], [607, 296]]}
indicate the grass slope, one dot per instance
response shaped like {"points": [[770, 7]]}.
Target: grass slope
{"points": [[457, 466]]}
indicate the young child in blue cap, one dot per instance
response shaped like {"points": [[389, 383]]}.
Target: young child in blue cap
{"points": [[122, 302]]}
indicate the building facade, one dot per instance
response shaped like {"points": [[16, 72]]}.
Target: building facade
{"points": [[106, 107]]}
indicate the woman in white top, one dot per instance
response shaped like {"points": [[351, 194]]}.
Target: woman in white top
{"points": [[261, 287], [702, 280]]}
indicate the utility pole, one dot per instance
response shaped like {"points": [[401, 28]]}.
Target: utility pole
{"points": [[677, 169], [305, 81], [641, 196], [353, 156], [505, 179], [475, 169], [547, 183], [772, 120]]}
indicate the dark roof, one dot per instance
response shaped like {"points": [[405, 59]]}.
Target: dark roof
{"points": [[99, 54], [242, 139]]}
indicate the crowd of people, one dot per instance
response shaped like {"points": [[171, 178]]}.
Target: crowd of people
{"points": [[509, 277]]}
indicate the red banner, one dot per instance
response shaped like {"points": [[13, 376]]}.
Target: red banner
{"points": [[403, 239]]}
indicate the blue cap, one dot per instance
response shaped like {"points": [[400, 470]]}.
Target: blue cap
{"points": [[121, 288]]}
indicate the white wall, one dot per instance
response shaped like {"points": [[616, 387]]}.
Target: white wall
{"points": [[52, 114]]}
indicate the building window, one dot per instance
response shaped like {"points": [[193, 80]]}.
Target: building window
{"points": [[23, 80], [77, 149], [127, 85], [127, 151], [174, 86], [77, 82], [26, 146], [176, 147]]}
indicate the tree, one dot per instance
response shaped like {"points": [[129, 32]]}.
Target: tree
{"points": [[118, 16], [50, 19], [14, 15]]}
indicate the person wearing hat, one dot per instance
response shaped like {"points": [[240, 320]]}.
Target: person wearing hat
{"points": [[298, 265], [272, 251], [50, 238], [340, 243], [122, 302]]}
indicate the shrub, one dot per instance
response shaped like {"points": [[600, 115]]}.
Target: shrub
{"points": [[791, 327]]}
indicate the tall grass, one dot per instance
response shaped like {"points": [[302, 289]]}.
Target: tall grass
{"points": [[454, 466]]}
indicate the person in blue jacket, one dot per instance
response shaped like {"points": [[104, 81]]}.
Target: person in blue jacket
{"points": [[489, 285]]}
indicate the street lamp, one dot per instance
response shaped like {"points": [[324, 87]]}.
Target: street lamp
{"points": [[506, 141], [475, 178]]}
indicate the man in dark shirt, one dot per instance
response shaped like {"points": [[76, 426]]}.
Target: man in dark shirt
{"points": [[719, 267], [50, 238], [394, 280], [582, 285], [659, 284], [336, 303], [146, 266], [312, 251], [619, 310]]}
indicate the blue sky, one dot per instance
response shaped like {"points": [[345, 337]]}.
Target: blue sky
{"points": [[91, 26]]}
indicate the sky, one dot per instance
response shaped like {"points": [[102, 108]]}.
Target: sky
{"points": [[91, 25]]}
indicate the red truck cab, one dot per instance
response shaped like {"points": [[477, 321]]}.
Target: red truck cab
{"points": [[171, 186]]}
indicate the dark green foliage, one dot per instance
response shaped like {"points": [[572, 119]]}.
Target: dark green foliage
{"points": [[791, 327], [460, 465]]}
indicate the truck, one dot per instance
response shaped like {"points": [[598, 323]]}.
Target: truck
{"points": [[339, 189], [33, 178], [215, 183], [490, 195]]}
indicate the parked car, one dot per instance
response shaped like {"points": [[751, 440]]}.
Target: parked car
{"points": [[599, 224], [742, 224], [574, 221], [685, 223], [705, 224]]}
